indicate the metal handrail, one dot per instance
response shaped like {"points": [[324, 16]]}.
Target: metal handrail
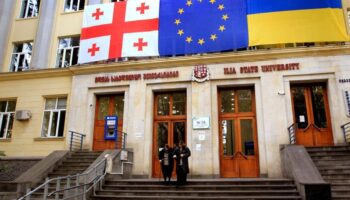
{"points": [[80, 141], [291, 132], [95, 180], [346, 132]]}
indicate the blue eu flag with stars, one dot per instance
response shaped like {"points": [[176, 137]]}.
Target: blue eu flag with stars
{"points": [[200, 26]]}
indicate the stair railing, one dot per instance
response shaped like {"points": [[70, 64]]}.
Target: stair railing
{"points": [[76, 141], [84, 183], [291, 132], [346, 132], [120, 143]]}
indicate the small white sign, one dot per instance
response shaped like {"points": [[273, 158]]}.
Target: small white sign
{"points": [[301, 118], [201, 137], [198, 147], [123, 155], [200, 122]]}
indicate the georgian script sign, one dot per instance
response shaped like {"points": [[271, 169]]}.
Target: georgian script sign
{"points": [[200, 73], [262, 68], [135, 77]]}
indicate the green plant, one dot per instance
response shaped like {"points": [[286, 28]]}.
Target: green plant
{"points": [[2, 153]]}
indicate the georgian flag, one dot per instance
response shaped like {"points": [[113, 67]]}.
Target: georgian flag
{"points": [[121, 29]]}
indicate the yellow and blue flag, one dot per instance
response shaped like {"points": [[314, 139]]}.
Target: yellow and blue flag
{"points": [[293, 21], [200, 26]]}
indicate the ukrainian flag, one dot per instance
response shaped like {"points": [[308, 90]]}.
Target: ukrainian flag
{"points": [[295, 21]]}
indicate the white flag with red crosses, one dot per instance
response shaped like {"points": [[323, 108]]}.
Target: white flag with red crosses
{"points": [[121, 29]]}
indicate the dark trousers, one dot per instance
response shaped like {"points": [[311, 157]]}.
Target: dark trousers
{"points": [[167, 171], [181, 175]]}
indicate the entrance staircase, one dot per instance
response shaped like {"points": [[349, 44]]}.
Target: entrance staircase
{"points": [[76, 163], [334, 165], [198, 189]]}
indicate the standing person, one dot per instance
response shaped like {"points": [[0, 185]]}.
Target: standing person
{"points": [[166, 162], [181, 154]]}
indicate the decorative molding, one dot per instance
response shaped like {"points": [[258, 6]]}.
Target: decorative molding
{"points": [[171, 62], [49, 139]]}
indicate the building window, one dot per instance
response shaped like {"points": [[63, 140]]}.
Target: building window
{"points": [[348, 11], [74, 5], [54, 117], [21, 56], [7, 113], [30, 8], [68, 51]]}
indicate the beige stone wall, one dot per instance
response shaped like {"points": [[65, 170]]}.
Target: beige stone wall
{"points": [[30, 95], [273, 105]]}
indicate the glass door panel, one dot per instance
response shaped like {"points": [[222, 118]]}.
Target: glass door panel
{"points": [[300, 110], [318, 106], [179, 133], [228, 137], [247, 137], [162, 134]]}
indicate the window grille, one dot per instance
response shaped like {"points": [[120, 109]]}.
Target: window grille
{"points": [[21, 56], [29, 8], [73, 5], [54, 117], [68, 51], [7, 113]]}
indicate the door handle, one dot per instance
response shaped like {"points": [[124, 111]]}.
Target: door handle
{"points": [[308, 126], [240, 153]]}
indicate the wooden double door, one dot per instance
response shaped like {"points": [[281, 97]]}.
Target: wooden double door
{"points": [[238, 136], [107, 105], [169, 126], [311, 114]]}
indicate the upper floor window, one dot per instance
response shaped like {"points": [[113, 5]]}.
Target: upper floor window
{"points": [[74, 5], [348, 12], [54, 117], [21, 56], [7, 113], [68, 51], [30, 8]]}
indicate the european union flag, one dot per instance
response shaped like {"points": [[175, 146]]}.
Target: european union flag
{"points": [[199, 26]]}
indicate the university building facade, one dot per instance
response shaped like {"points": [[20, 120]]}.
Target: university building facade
{"points": [[232, 109]]}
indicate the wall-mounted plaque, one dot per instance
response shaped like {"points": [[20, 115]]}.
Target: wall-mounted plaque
{"points": [[200, 122]]}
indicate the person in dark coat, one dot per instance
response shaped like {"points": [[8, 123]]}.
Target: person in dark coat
{"points": [[167, 164], [181, 154]]}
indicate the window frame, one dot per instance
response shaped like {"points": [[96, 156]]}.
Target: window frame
{"points": [[71, 3], [52, 111], [8, 115], [14, 67], [348, 17], [64, 52], [26, 8]]}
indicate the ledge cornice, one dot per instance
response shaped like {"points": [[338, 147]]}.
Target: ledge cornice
{"points": [[170, 62]]}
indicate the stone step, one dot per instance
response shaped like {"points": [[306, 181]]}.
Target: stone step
{"points": [[337, 180], [142, 182], [331, 157], [77, 159], [340, 192], [340, 186], [336, 175], [334, 171], [328, 148], [181, 192], [329, 153], [69, 170], [77, 162], [332, 162], [109, 197], [200, 187], [340, 197], [72, 167]]}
